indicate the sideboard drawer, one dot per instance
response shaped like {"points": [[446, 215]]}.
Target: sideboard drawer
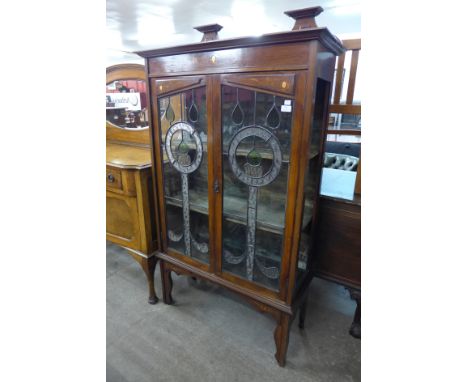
{"points": [[113, 178]]}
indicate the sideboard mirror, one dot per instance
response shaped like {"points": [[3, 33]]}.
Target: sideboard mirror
{"points": [[126, 97]]}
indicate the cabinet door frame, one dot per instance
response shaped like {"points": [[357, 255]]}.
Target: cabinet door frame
{"points": [[162, 88], [294, 178]]}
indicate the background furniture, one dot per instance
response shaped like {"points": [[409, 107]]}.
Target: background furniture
{"points": [[338, 246], [238, 128], [130, 212]]}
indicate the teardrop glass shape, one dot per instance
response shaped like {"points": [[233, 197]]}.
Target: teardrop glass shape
{"points": [[169, 114], [237, 115], [273, 117], [193, 113]]}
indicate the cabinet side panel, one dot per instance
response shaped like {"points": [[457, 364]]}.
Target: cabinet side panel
{"points": [[312, 177]]}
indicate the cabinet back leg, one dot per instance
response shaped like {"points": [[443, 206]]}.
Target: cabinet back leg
{"points": [[355, 329], [166, 283], [302, 313]]}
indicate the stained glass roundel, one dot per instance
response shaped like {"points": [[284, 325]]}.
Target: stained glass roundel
{"points": [[255, 178], [180, 157]]}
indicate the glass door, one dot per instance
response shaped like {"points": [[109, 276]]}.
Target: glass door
{"points": [[256, 143], [183, 144]]}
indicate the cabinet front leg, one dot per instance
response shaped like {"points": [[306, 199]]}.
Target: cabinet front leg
{"points": [[282, 338], [148, 264], [355, 329], [166, 283]]}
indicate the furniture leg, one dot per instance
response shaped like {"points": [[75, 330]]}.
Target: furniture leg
{"points": [[303, 312], [148, 264], [355, 329], [281, 336], [166, 283]]}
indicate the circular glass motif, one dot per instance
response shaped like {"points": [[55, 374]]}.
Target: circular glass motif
{"points": [[251, 173], [184, 147], [254, 158]]}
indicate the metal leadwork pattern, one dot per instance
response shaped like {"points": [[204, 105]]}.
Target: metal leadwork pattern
{"points": [[176, 237], [273, 118], [252, 175], [193, 110], [237, 115], [186, 213], [183, 163]]}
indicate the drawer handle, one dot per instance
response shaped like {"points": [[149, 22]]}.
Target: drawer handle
{"points": [[110, 178]]}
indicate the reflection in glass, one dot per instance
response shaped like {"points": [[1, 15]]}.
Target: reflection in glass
{"points": [[256, 145], [126, 104], [342, 157], [349, 122], [184, 146]]}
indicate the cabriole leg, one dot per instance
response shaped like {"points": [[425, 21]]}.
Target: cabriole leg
{"points": [[148, 264], [282, 338]]}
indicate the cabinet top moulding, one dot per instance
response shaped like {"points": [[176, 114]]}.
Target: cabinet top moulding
{"points": [[323, 35]]}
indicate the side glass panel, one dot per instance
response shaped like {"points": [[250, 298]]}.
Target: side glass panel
{"points": [[312, 177], [183, 124], [256, 130]]}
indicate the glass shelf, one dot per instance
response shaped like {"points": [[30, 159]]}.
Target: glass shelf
{"points": [[235, 211]]}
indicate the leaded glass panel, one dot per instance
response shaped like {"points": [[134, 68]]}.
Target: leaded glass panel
{"points": [[256, 130], [184, 147]]}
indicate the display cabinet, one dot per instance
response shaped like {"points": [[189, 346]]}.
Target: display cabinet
{"points": [[130, 209], [238, 128]]}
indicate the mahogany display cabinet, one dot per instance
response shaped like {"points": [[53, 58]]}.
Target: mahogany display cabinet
{"points": [[238, 128]]}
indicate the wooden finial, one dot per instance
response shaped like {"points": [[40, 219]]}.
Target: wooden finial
{"points": [[210, 31], [305, 18]]}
